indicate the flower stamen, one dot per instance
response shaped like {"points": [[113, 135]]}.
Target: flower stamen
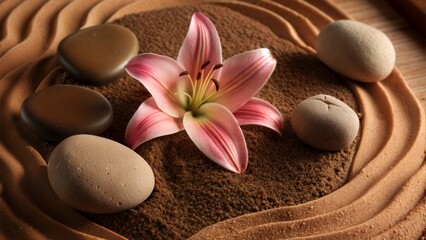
{"points": [[216, 84], [184, 73], [184, 94], [217, 66], [205, 65], [199, 88], [207, 78]]}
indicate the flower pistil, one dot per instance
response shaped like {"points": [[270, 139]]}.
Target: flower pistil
{"points": [[200, 93]]}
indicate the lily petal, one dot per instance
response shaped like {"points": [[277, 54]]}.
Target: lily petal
{"points": [[150, 122], [260, 112], [243, 76], [160, 76], [217, 134], [201, 44]]}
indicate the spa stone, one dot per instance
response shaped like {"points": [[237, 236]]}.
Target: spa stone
{"points": [[97, 55], [325, 123], [60, 111], [356, 50], [98, 175]]}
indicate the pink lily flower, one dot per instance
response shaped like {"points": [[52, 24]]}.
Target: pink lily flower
{"points": [[203, 95]]}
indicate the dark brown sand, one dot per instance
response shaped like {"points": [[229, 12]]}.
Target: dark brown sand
{"points": [[192, 192]]}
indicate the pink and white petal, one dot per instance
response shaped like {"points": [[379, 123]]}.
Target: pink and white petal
{"points": [[150, 122], [216, 132], [243, 76], [200, 45], [259, 112], [160, 76]]}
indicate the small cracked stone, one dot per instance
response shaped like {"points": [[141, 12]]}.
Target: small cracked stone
{"points": [[331, 128]]}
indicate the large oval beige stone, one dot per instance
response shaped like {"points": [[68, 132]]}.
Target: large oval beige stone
{"points": [[97, 175], [356, 50]]}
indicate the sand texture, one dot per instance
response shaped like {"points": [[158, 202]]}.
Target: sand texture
{"points": [[374, 188]]}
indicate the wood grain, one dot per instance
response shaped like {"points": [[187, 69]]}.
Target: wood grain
{"points": [[414, 11], [408, 41]]}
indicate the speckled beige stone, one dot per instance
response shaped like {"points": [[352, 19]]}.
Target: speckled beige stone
{"points": [[98, 175]]}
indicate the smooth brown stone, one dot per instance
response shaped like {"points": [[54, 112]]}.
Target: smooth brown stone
{"points": [[60, 111], [97, 55]]}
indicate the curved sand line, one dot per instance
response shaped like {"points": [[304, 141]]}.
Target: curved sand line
{"points": [[384, 197]]}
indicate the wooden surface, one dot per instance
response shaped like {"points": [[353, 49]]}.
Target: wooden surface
{"points": [[408, 41], [414, 11]]}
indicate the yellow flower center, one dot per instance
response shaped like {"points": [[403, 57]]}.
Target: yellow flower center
{"points": [[199, 86]]}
